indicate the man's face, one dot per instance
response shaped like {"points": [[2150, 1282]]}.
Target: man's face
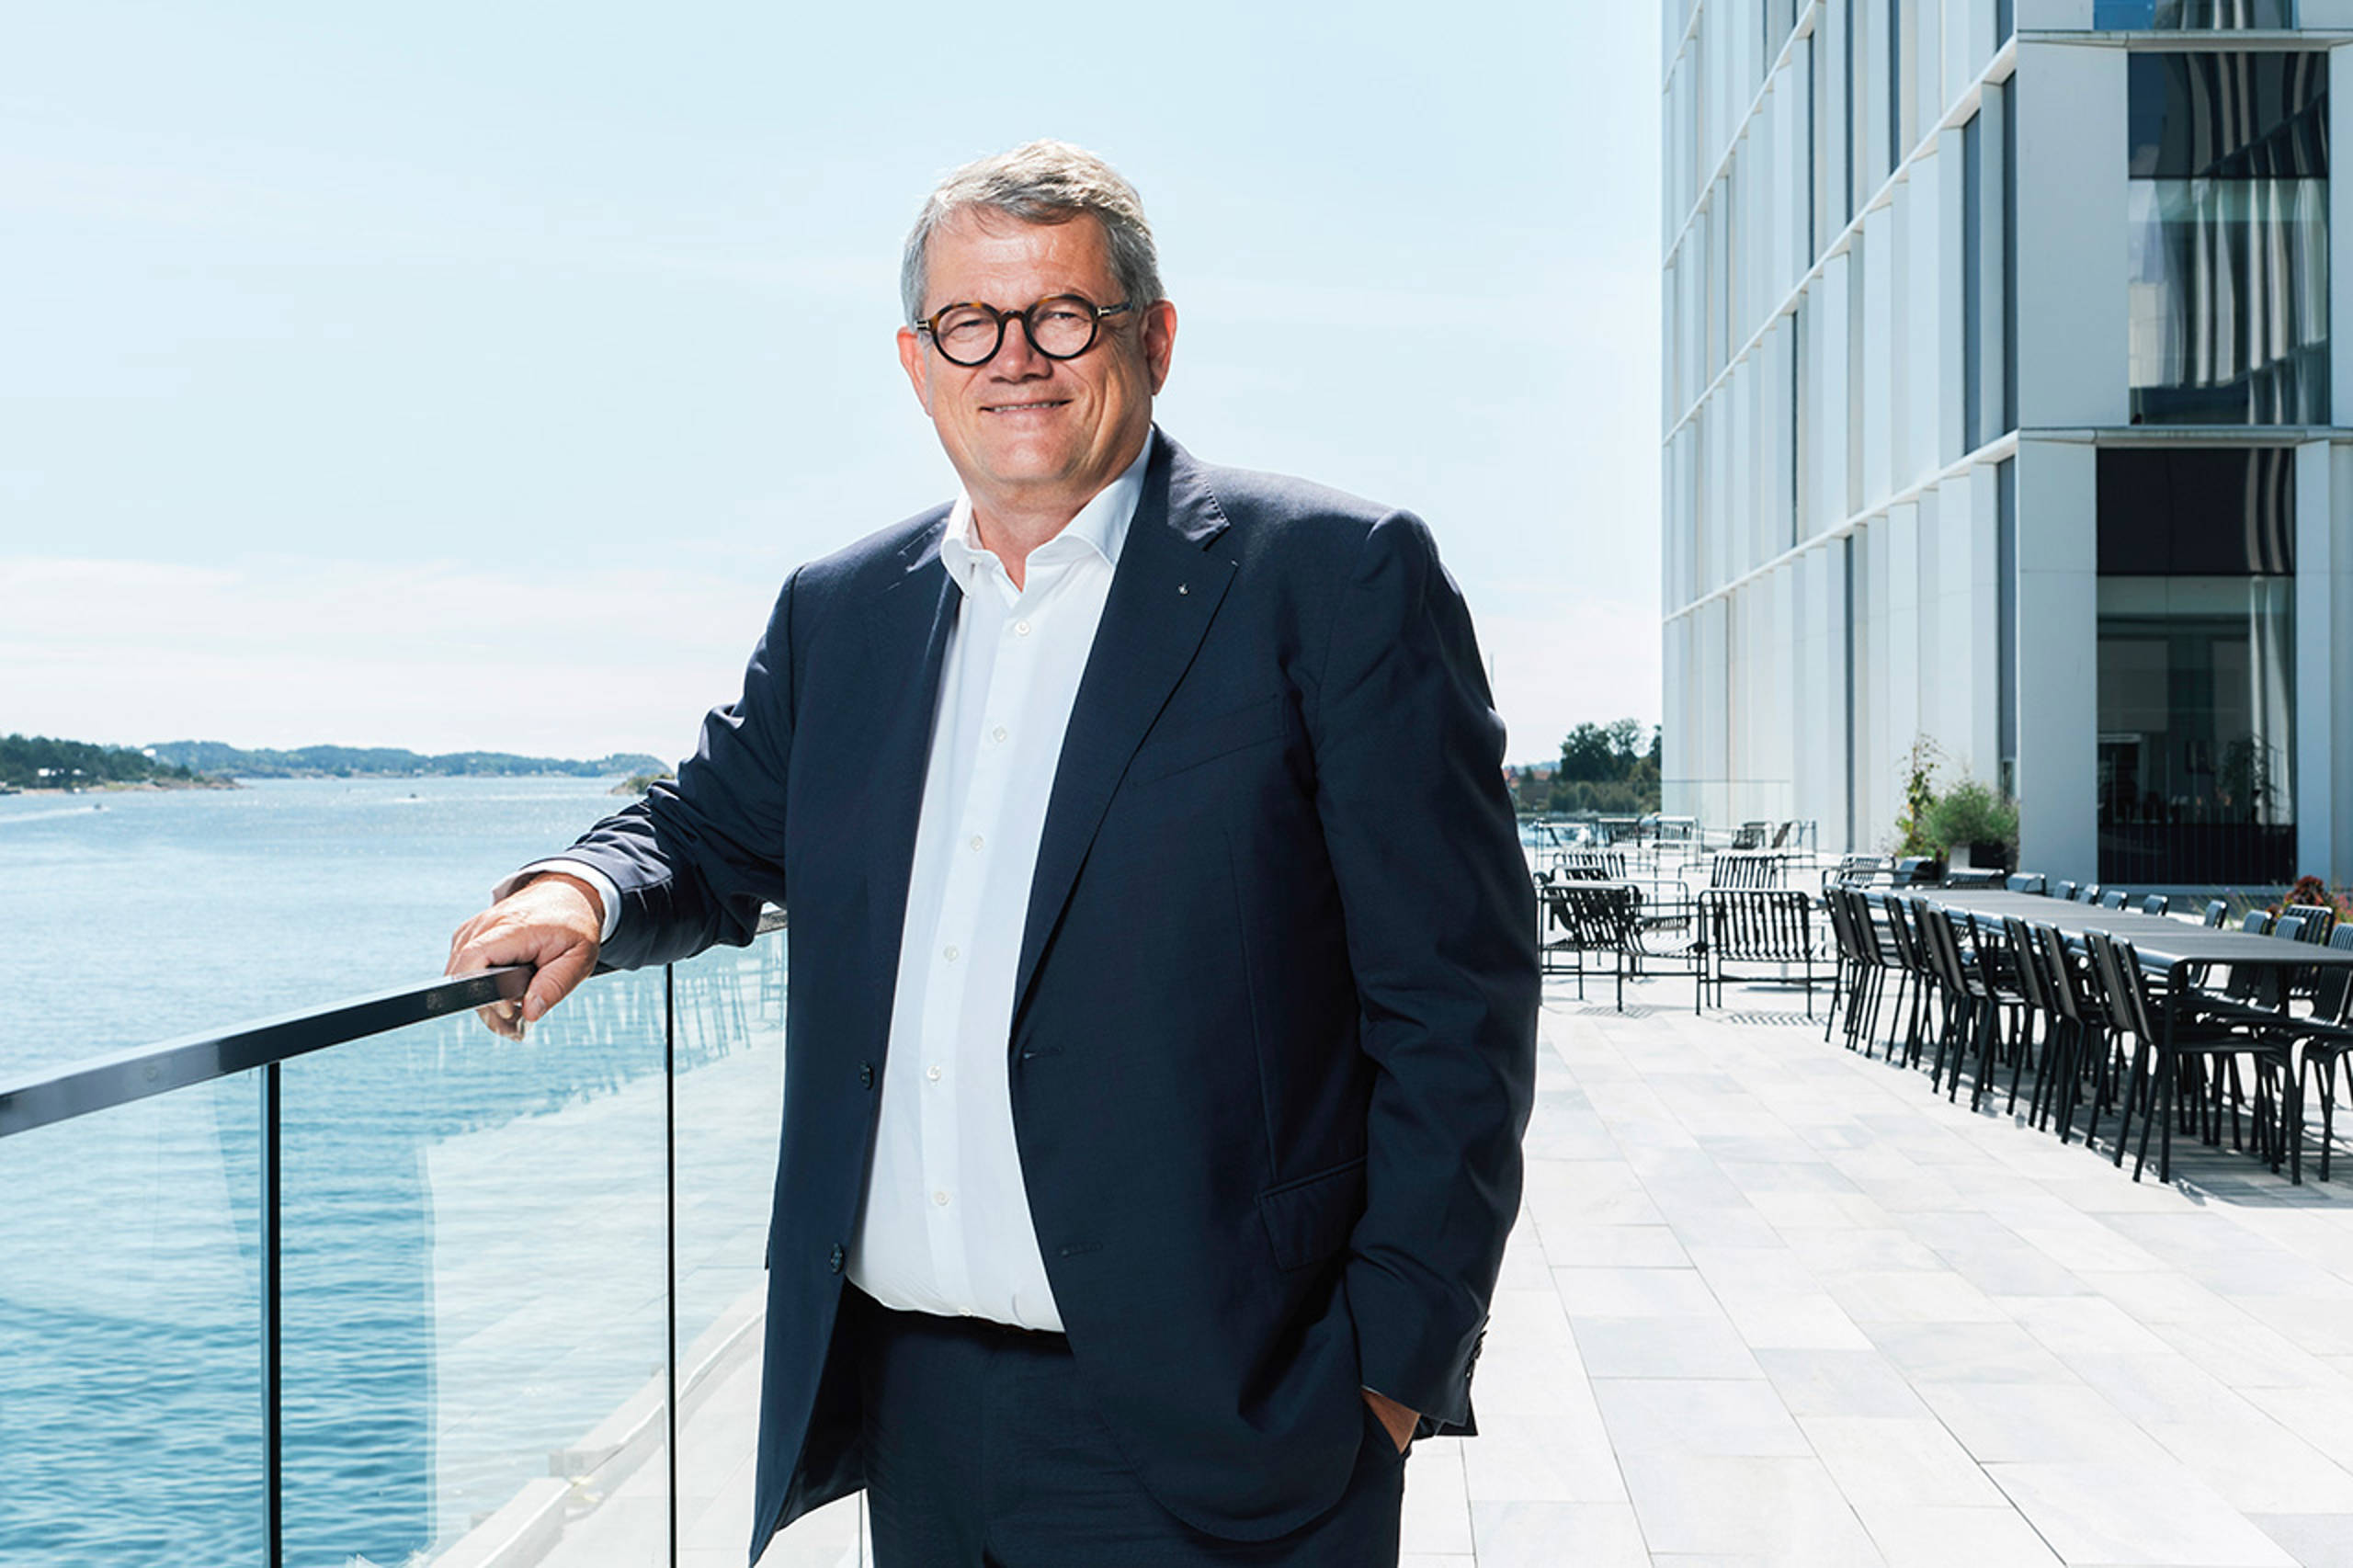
{"points": [[1032, 436]]}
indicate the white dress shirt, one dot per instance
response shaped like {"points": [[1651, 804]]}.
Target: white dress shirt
{"points": [[947, 1227]]}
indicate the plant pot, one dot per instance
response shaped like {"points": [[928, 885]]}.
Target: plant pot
{"points": [[1984, 857]]}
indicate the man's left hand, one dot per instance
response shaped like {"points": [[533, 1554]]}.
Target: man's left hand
{"points": [[1398, 1420]]}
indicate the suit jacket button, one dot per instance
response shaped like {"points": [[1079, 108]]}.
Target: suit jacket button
{"points": [[838, 1258], [866, 1075]]}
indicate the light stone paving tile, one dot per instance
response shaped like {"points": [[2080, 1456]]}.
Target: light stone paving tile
{"points": [[2158, 1295], [1636, 1293], [1968, 1353], [2245, 1354], [1696, 1416], [1840, 1384], [1565, 1457], [2315, 1540], [2259, 1466], [1821, 1211], [1529, 1364], [2087, 1248], [1624, 1246], [1809, 1321], [2322, 1325], [1662, 1348], [2070, 1326], [1944, 1536], [1768, 1511], [2153, 1390], [2322, 1416], [1554, 1535], [1586, 1192], [2134, 1513], [1411, 1560], [1903, 1462], [1880, 1248], [1999, 1422], [1437, 1514], [1911, 1296]]}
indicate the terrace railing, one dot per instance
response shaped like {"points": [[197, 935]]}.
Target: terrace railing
{"points": [[368, 1284]]}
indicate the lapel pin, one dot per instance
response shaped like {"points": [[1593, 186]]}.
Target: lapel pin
{"points": [[1183, 590]]}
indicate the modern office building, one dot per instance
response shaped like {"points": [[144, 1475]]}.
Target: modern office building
{"points": [[2002, 410]]}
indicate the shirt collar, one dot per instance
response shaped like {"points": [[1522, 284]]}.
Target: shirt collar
{"points": [[1101, 525]]}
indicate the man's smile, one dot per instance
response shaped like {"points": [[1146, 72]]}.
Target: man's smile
{"points": [[1034, 406]]}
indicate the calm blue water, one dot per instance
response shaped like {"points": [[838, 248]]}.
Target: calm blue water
{"points": [[475, 1230]]}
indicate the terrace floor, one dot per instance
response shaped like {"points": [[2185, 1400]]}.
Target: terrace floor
{"points": [[1770, 1302]]}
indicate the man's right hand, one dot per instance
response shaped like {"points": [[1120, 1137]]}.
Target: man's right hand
{"points": [[554, 923]]}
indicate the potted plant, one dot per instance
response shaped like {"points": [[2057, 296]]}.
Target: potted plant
{"points": [[1971, 819]]}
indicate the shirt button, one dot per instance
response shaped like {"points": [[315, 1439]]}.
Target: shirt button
{"points": [[949, 953], [932, 1072], [977, 841], [997, 734], [1022, 628], [940, 1197]]}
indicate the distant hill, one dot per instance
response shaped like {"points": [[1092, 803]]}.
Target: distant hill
{"points": [[37, 762], [384, 762]]}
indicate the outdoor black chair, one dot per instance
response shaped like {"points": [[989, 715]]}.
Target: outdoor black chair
{"points": [[1753, 926], [2319, 920], [2088, 893], [2323, 1041], [2112, 897], [2199, 1049], [2064, 890], [2217, 911], [1749, 835], [1739, 869], [1973, 877], [2155, 904], [1969, 1003], [1580, 920], [2029, 882], [2079, 1041], [1916, 871]]}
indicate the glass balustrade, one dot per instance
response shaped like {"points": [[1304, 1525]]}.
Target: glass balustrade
{"points": [[519, 1290]]}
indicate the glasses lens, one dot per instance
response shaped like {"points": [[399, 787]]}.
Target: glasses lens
{"points": [[1062, 325], [966, 335]]}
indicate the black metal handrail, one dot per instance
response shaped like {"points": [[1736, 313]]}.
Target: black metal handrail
{"points": [[146, 1071]]}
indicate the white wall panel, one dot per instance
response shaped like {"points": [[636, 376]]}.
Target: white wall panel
{"points": [[2058, 658], [2071, 305]]}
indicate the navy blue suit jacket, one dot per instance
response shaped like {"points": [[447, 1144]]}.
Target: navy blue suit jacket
{"points": [[1274, 1032]]}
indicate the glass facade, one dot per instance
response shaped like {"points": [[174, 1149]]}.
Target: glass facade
{"points": [[2191, 15], [2197, 677], [2228, 250]]}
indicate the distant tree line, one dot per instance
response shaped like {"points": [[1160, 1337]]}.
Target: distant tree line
{"points": [[1612, 769], [362, 762], [39, 762]]}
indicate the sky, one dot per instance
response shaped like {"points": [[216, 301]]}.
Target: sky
{"points": [[455, 377]]}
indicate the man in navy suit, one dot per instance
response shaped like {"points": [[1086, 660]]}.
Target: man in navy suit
{"points": [[1163, 1012]]}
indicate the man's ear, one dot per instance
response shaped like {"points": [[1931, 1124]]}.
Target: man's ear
{"points": [[917, 364], [1159, 341]]}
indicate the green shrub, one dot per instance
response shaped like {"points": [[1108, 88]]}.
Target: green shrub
{"points": [[1971, 812]]}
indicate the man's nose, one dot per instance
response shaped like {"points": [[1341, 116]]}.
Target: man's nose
{"points": [[1016, 358]]}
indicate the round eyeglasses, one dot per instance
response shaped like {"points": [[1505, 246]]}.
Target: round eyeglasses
{"points": [[1061, 327]]}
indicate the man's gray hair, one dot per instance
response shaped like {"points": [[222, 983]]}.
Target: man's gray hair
{"points": [[1044, 182]]}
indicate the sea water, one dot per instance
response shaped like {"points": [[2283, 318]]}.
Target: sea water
{"points": [[474, 1231]]}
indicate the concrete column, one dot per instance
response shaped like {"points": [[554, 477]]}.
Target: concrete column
{"points": [[2323, 680], [2072, 299], [2058, 658]]}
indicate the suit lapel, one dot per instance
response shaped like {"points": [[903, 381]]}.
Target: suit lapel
{"points": [[1162, 596], [907, 631]]}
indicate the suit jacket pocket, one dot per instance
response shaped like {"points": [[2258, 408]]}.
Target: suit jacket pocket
{"points": [[1205, 740], [1309, 1218]]}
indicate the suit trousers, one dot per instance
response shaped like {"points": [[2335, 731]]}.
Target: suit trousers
{"points": [[982, 1450]]}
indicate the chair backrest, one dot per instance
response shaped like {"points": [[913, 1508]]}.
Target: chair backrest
{"points": [[2155, 904], [1974, 877], [1761, 924], [2112, 897], [2288, 928], [1782, 834], [2031, 982], [1915, 870], [2217, 911], [2333, 991], [2258, 921], [2119, 974], [1750, 871], [1749, 835], [2319, 920], [2064, 980], [1843, 935], [1903, 934], [2065, 891], [2029, 882], [1596, 914]]}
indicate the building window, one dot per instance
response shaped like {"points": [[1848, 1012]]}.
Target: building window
{"points": [[2005, 579], [2196, 665], [2191, 15], [2228, 256], [1988, 195], [2010, 254]]}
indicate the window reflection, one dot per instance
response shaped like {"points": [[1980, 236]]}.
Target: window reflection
{"points": [[2228, 244], [2188, 16]]}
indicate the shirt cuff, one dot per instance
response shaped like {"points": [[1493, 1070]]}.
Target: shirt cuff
{"points": [[606, 891]]}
